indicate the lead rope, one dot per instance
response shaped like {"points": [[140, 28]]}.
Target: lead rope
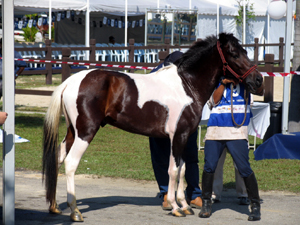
{"points": [[246, 96]]}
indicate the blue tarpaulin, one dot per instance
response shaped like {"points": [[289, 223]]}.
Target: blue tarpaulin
{"points": [[280, 146]]}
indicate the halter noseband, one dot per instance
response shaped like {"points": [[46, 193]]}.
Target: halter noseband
{"points": [[227, 67]]}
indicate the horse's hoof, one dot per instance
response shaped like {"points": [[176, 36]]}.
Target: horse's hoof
{"points": [[188, 211], [76, 216], [55, 209], [178, 212]]}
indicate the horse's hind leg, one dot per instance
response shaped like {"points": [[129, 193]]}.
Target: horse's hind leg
{"points": [[63, 150], [54, 208], [71, 163]]}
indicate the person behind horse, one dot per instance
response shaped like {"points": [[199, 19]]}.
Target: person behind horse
{"points": [[160, 155], [111, 40], [231, 131]]}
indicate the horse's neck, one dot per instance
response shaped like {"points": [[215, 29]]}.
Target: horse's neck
{"points": [[203, 82]]}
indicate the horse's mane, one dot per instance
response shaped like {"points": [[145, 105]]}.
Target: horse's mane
{"points": [[200, 49], [196, 53]]}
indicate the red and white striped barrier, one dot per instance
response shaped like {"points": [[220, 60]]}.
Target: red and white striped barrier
{"points": [[270, 74], [86, 64]]}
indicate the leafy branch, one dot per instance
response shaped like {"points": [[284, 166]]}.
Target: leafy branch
{"points": [[249, 12]]}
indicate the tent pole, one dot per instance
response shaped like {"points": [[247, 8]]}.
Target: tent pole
{"points": [[126, 21], [50, 19], [146, 26], [244, 22], [8, 209], [218, 18], [268, 30], [172, 34], [87, 29], [287, 61]]}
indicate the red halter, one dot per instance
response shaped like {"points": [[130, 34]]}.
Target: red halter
{"points": [[226, 66]]}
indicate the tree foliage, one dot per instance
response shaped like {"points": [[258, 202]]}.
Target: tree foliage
{"points": [[249, 12], [29, 33]]}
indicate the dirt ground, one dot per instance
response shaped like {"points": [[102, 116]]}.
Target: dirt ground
{"points": [[34, 100], [113, 201], [43, 101]]}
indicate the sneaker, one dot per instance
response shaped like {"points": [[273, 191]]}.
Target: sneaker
{"points": [[196, 203], [244, 201], [166, 205]]}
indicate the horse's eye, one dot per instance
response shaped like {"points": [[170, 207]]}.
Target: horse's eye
{"points": [[235, 56]]}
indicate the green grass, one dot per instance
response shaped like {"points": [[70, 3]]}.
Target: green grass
{"points": [[34, 81], [116, 153]]}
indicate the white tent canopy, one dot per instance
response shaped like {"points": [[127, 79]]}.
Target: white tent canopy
{"points": [[208, 23], [260, 6], [118, 6], [34, 6]]}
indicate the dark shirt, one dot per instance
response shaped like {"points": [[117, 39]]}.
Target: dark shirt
{"points": [[17, 63]]}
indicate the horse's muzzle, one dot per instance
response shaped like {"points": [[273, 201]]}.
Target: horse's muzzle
{"points": [[256, 86]]}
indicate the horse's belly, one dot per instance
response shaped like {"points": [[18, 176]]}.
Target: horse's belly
{"points": [[150, 120]]}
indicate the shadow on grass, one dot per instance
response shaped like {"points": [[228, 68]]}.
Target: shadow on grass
{"points": [[30, 120]]}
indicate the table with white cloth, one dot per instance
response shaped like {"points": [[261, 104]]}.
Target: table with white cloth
{"points": [[257, 127]]}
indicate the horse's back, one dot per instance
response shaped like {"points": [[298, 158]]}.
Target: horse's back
{"points": [[147, 104]]}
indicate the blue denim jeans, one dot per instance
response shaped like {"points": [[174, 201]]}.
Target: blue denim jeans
{"points": [[160, 154], [237, 148]]}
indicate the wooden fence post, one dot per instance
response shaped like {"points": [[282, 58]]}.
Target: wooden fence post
{"points": [[162, 55], [131, 52], [65, 68], [269, 81], [281, 45], [167, 43], [92, 51], [255, 51], [48, 65]]}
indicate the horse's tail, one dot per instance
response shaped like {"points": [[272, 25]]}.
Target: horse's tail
{"points": [[50, 142]]}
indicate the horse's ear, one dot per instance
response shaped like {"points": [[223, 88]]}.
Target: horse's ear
{"points": [[224, 38]]}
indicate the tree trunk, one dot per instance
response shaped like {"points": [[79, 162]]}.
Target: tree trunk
{"points": [[294, 108]]}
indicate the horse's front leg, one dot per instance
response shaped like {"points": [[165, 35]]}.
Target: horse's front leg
{"points": [[180, 191], [173, 173], [71, 163]]}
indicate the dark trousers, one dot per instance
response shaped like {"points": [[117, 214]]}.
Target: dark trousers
{"points": [[238, 149], [160, 154]]}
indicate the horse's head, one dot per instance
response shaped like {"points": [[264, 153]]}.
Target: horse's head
{"points": [[237, 65]]}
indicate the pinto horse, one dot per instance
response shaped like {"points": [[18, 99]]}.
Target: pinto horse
{"points": [[164, 104]]}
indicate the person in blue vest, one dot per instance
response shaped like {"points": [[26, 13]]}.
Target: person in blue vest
{"points": [[160, 155], [228, 127]]}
